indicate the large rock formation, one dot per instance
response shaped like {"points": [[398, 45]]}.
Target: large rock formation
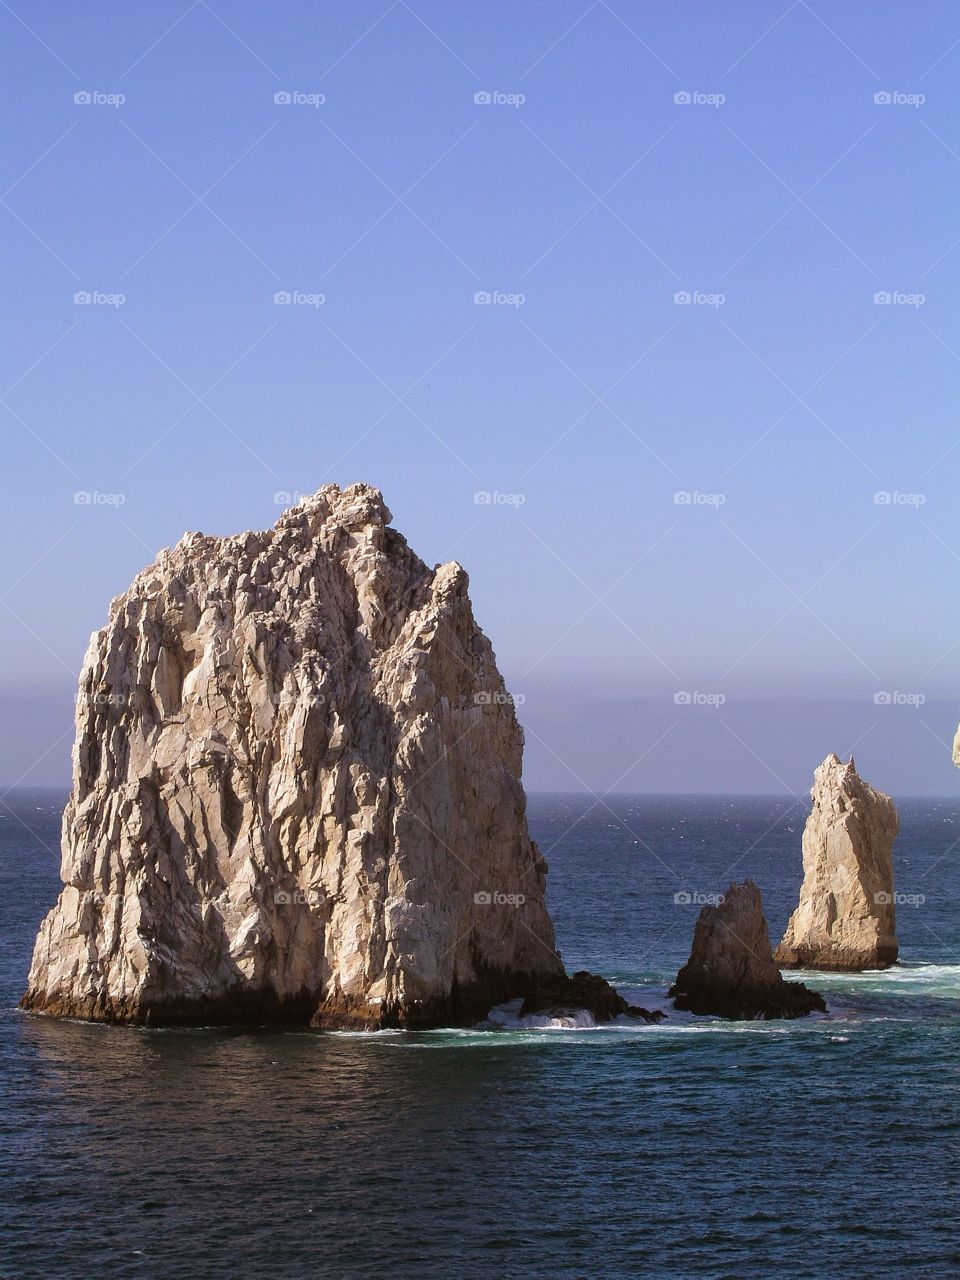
{"points": [[847, 913], [296, 793], [731, 970]]}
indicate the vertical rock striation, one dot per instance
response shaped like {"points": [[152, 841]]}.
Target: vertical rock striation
{"points": [[296, 793], [731, 971], [846, 918]]}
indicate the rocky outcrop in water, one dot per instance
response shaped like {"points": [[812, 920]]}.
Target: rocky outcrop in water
{"points": [[846, 918], [296, 793], [561, 997], [731, 971]]}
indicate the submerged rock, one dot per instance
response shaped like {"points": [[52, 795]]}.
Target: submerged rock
{"points": [[565, 996], [296, 793], [731, 970], [846, 918]]}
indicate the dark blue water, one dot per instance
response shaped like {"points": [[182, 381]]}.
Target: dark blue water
{"points": [[693, 1148]]}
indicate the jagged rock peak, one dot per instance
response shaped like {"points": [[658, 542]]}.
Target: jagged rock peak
{"points": [[296, 792], [731, 971], [846, 917]]}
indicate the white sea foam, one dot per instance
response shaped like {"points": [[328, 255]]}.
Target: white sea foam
{"points": [[506, 1017], [897, 985]]}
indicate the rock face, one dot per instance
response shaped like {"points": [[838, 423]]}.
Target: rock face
{"points": [[847, 914], [731, 970], [296, 793]]}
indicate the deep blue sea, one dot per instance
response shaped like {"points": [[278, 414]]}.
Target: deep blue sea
{"points": [[819, 1148]]}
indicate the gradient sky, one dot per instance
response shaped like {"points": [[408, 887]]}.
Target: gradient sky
{"points": [[586, 189]]}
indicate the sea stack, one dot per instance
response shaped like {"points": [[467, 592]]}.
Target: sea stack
{"points": [[846, 919], [296, 793], [731, 971]]}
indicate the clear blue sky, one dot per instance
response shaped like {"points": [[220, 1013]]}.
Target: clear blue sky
{"points": [[587, 189]]}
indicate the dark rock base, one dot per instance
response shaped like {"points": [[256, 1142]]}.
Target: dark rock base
{"points": [[781, 1000], [562, 997], [242, 1007]]}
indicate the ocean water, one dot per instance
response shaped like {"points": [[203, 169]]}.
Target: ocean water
{"points": [[827, 1146]]}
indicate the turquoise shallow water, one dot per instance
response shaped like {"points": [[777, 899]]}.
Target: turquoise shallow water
{"points": [[691, 1148]]}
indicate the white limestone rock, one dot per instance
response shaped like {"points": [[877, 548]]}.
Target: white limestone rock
{"points": [[296, 787], [846, 918]]}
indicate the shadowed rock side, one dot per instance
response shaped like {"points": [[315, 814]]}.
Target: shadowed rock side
{"points": [[731, 971], [296, 793], [846, 918]]}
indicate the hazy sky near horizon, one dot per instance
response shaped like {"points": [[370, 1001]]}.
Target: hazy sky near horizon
{"points": [[720, 254]]}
